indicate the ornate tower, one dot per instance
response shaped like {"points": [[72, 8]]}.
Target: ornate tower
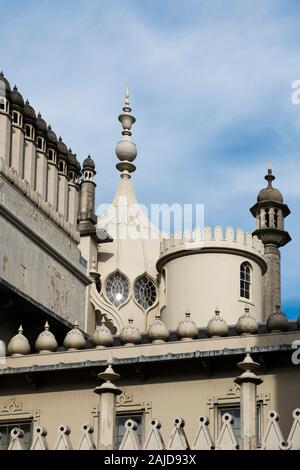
{"points": [[87, 218], [5, 119], [270, 212]]}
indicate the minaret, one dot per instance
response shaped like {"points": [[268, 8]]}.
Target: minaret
{"points": [[17, 136], [30, 144], [73, 188], [62, 155], [87, 218], [52, 184], [41, 157], [5, 119], [270, 212], [126, 150]]}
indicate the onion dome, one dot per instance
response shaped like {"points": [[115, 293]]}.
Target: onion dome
{"points": [[62, 150], [126, 150], [4, 86], [158, 332], [88, 164], [247, 324], [74, 339], [277, 321], [46, 342], [269, 193], [16, 99], [51, 136], [41, 125], [18, 345], [29, 113], [298, 322], [102, 336], [187, 329], [72, 160], [216, 326], [130, 335]]}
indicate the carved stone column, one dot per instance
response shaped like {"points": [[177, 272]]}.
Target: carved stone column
{"points": [[107, 392], [248, 382]]}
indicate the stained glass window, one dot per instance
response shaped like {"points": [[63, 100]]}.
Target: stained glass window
{"points": [[117, 289], [145, 291]]}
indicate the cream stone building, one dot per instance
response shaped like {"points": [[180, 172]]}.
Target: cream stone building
{"points": [[163, 320]]}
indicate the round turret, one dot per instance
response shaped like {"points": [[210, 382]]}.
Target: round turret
{"points": [[29, 113], [5, 90], [158, 332], [16, 100], [74, 339], [18, 345], [88, 164], [62, 150], [187, 329], [46, 342], [130, 335], [51, 136], [217, 326], [247, 324], [102, 337], [41, 125], [277, 321]]}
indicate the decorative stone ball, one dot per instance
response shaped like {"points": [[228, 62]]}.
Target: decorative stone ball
{"points": [[187, 329], [298, 322], [130, 335], [46, 342], [126, 150], [74, 339], [18, 345], [277, 321], [247, 324], [158, 332], [216, 326], [102, 336]]}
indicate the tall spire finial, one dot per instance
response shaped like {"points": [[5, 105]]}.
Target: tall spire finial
{"points": [[126, 149], [269, 176]]}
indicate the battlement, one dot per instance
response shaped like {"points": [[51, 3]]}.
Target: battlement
{"points": [[209, 237], [35, 197]]}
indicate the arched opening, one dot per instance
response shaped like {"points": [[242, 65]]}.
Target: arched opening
{"points": [[245, 280]]}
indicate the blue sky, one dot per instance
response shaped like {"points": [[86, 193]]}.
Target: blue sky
{"points": [[210, 84]]}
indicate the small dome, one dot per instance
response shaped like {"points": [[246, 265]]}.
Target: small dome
{"points": [[46, 342], [187, 329], [247, 324], [88, 163], [62, 150], [16, 98], [74, 339], [277, 321], [41, 124], [126, 151], [102, 337], [51, 136], [71, 159], [270, 194], [158, 332], [217, 326], [18, 345], [78, 166], [130, 335], [298, 322], [4, 86], [29, 112]]}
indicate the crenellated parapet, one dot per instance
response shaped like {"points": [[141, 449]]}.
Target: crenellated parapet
{"points": [[35, 197], [208, 237]]}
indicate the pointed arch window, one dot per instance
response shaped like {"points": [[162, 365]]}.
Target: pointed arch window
{"points": [[145, 291], [245, 280], [117, 289]]}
